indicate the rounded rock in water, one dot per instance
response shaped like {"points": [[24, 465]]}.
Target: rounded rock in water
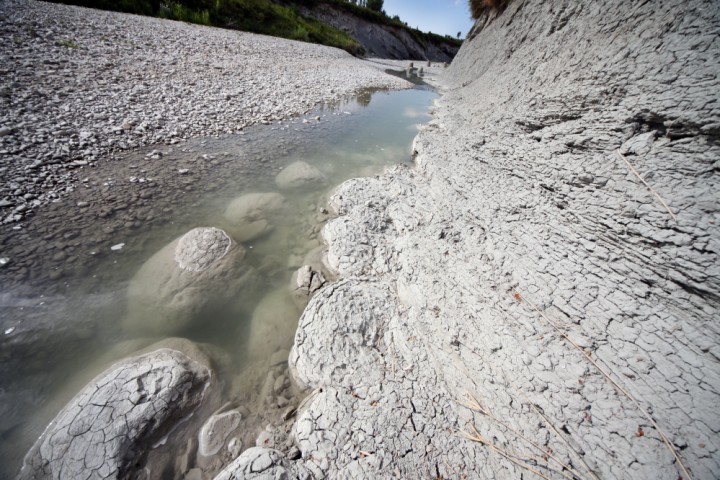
{"points": [[273, 324], [107, 430], [195, 274], [249, 215], [299, 175]]}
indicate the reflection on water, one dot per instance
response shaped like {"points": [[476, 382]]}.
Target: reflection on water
{"points": [[66, 340]]}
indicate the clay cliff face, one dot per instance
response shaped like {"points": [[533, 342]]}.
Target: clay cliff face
{"points": [[383, 41], [521, 301]]}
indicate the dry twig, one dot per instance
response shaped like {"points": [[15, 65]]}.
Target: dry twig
{"points": [[615, 384], [473, 404], [637, 174]]}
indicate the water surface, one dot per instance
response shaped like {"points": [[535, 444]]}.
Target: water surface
{"points": [[52, 344]]}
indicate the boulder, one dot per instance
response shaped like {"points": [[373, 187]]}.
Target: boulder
{"points": [[299, 175], [195, 273], [273, 324], [108, 428], [304, 283], [249, 215]]}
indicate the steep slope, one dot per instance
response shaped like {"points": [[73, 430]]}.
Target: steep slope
{"points": [[384, 40], [520, 302]]}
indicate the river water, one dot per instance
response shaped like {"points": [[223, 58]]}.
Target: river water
{"points": [[53, 344]]}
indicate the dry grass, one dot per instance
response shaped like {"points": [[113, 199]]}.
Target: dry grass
{"points": [[637, 174], [473, 404], [478, 7], [558, 328]]}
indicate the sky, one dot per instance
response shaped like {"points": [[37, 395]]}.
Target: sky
{"points": [[446, 17]]}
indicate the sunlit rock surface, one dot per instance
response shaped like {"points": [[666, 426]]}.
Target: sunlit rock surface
{"points": [[107, 430], [520, 301], [191, 276]]}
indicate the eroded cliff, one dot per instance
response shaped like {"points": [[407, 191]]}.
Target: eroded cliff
{"points": [[520, 301]]}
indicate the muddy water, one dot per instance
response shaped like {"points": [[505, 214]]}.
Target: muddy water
{"points": [[65, 329]]}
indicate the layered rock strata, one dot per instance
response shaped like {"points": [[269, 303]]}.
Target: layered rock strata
{"points": [[521, 301]]}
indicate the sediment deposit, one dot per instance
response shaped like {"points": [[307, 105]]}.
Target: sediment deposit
{"points": [[542, 309], [77, 85]]}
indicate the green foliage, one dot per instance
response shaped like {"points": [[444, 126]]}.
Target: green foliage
{"points": [[267, 17], [376, 5], [479, 7], [258, 16]]}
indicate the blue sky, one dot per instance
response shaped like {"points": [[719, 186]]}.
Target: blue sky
{"points": [[446, 17]]}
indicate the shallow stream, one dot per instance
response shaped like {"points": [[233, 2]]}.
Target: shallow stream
{"points": [[53, 344]]}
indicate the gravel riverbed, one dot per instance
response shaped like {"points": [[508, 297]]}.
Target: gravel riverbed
{"points": [[80, 89]]}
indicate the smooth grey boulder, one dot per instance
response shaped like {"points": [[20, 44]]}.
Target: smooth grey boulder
{"points": [[195, 273], [108, 428], [273, 324], [249, 216], [299, 175]]}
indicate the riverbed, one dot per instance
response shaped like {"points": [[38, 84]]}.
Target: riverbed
{"points": [[66, 322]]}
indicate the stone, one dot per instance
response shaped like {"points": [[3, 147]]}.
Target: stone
{"points": [[249, 216], [455, 276], [107, 429], [299, 176], [215, 432], [262, 463], [272, 325], [195, 274], [304, 283]]}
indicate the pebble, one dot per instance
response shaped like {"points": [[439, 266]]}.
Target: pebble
{"points": [[186, 90]]}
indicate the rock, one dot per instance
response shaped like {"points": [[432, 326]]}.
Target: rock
{"points": [[216, 431], [304, 283], [279, 357], [197, 273], [345, 347], [272, 326], [107, 429], [249, 215], [299, 175], [4, 131], [262, 463]]}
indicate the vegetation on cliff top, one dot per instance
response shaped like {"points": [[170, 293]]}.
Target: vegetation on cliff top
{"points": [[257, 16], [266, 17], [478, 7]]}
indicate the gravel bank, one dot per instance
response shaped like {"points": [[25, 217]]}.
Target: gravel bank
{"points": [[77, 85]]}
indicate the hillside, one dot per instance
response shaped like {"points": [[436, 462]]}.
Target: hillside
{"points": [[521, 304], [336, 23], [379, 35]]}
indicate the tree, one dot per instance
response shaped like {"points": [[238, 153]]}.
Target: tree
{"points": [[458, 35], [376, 5]]}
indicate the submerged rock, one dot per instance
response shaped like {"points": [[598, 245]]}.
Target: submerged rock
{"points": [[108, 428], [273, 325], [194, 274], [299, 175], [249, 215]]}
